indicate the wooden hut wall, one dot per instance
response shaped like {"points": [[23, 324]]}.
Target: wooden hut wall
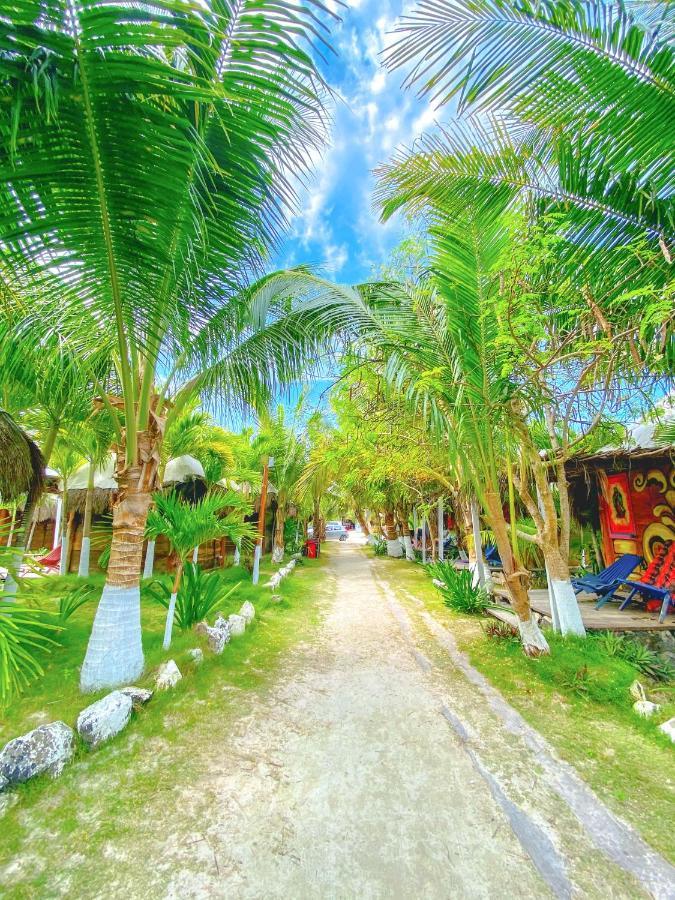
{"points": [[651, 497]]}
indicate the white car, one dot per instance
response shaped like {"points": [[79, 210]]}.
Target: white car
{"points": [[335, 531]]}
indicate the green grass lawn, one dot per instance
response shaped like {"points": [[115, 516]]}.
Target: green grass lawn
{"points": [[109, 792], [578, 698], [56, 695]]}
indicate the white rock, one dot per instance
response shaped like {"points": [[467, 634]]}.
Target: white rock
{"points": [[4, 783], [292, 563], [637, 691], [274, 581], [196, 654], [237, 625], [218, 636], [247, 611], [139, 696], [105, 718], [168, 675], [645, 708], [45, 749], [668, 728]]}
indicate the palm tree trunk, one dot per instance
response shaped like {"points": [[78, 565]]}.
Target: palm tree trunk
{"points": [[24, 535], [433, 534], [393, 544], [63, 562], [85, 549], [12, 524], [404, 526], [534, 642], [278, 545], [115, 652], [168, 628]]}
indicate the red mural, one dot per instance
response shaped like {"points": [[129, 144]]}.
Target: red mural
{"points": [[637, 510]]}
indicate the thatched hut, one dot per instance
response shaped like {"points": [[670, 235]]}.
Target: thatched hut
{"points": [[21, 462]]}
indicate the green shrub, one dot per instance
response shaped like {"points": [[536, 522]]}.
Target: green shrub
{"points": [[457, 589], [23, 633], [72, 600], [200, 594], [642, 658], [380, 547]]}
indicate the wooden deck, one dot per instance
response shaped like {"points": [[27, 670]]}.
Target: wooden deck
{"points": [[608, 618]]}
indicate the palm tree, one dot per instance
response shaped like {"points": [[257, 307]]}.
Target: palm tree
{"points": [[580, 93], [187, 525], [283, 443], [451, 366], [148, 170]]}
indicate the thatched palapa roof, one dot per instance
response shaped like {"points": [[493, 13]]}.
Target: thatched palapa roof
{"points": [[21, 462]]}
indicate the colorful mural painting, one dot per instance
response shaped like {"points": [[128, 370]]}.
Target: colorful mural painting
{"points": [[637, 510], [657, 485], [619, 507]]}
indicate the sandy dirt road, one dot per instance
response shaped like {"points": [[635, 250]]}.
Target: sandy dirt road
{"points": [[378, 770]]}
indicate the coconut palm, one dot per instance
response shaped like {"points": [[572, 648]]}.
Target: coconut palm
{"points": [[581, 91], [282, 443], [147, 171], [187, 525]]}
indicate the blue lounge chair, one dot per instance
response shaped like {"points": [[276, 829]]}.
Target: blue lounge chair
{"points": [[606, 582], [648, 591], [492, 557]]}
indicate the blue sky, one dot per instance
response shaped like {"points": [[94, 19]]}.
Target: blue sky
{"points": [[337, 228]]}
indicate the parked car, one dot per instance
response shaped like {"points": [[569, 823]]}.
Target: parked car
{"points": [[335, 531]]}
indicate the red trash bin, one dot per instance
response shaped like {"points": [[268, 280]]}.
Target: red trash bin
{"points": [[312, 547]]}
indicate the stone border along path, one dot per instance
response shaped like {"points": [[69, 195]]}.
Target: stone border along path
{"points": [[615, 838]]}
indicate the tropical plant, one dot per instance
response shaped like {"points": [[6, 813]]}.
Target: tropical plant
{"points": [[187, 525], [379, 546], [284, 444], [457, 588], [642, 658], [592, 83], [199, 594], [24, 634], [72, 600], [496, 630]]}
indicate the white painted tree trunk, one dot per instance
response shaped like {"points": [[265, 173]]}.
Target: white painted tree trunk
{"points": [[441, 530], [532, 638], [168, 628], [277, 554], [567, 607], [63, 561], [57, 523], [115, 650], [478, 547], [394, 548], [257, 553], [149, 565], [195, 556], [409, 550], [85, 551]]}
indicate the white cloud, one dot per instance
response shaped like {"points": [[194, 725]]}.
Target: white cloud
{"points": [[335, 258]]}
